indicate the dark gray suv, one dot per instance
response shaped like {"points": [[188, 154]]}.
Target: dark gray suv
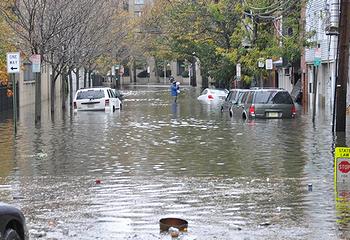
{"points": [[232, 98], [265, 103]]}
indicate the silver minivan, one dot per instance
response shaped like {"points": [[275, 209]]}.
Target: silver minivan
{"points": [[265, 103]]}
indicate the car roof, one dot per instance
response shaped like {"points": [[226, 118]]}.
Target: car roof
{"points": [[239, 89], [94, 88], [269, 89], [217, 90]]}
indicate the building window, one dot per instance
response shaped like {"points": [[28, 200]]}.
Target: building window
{"points": [[28, 73], [137, 2]]}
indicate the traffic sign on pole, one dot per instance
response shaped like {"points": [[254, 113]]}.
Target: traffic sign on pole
{"points": [[36, 62], [238, 70], [268, 64], [342, 165], [317, 57], [13, 62]]}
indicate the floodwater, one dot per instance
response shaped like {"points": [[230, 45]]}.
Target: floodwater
{"points": [[230, 179]]}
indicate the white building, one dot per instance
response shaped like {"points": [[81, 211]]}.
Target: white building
{"points": [[321, 18]]}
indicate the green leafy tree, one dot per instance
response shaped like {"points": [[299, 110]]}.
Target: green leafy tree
{"points": [[223, 34]]}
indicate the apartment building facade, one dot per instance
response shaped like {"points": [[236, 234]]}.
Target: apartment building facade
{"points": [[319, 62]]}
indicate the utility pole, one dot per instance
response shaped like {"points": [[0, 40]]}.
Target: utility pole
{"points": [[344, 37]]}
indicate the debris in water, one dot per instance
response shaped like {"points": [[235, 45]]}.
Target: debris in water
{"points": [[265, 224], [174, 232], [309, 187], [98, 181], [37, 234]]}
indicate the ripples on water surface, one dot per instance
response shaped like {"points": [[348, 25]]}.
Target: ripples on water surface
{"points": [[228, 178]]}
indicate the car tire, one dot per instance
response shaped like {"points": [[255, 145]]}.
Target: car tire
{"points": [[230, 111], [120, 106], [113, 108], [244, 116], [222, 109], [11, 234]]}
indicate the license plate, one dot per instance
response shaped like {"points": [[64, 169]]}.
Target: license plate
{"points": [[272, 114], [90, 105]]}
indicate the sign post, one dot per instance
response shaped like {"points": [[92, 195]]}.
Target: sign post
{"points": [[13, 65], [238, 74], [269, 66], [261, 65]]}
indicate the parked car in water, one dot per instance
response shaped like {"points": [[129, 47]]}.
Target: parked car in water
{"points": [[96, 99], [231, 98], [264, 103], [213, 96], [12, 223]]}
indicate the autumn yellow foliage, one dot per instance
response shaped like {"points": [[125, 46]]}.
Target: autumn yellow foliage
{"points": [[5, 46]]}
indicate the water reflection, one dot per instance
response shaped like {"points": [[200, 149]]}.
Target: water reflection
{"points": [[228, 177]]}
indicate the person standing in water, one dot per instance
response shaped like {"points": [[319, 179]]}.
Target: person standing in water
{"points": [[174, 89]]}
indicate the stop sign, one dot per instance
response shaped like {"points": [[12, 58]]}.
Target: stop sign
{"points": [[344, 166]]}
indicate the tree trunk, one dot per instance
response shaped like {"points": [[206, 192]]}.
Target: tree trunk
{"points": [[63, 89], [77, 76], [70, 79], [89, 78], [205, 81], [134, 71], [53, 88], [85, 76]]}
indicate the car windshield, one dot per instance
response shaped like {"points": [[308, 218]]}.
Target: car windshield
{"points": [[272, 97], [90, 94]]}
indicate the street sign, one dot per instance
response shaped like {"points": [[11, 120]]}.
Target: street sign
{"points": [[268, 63], [238, 70], [317, 62], [341, 181], [36, 63], [317, 57], [261, 63], [113, 71], [13, 62], [342, 166]]}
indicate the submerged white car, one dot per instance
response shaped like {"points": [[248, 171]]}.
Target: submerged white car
{"points": [[213, 96], [96, 99]]}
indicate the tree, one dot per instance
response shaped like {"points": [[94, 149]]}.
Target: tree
{"points": [[223, 34], [67, 34], [5, 46]]}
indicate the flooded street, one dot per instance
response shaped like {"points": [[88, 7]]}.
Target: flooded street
{"points": [[230, 179]]}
